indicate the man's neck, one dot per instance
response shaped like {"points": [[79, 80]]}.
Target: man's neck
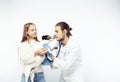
{"points": [[64, 42]]}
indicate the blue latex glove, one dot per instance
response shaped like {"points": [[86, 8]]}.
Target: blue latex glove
{"points": [[49, 50], [48, 60]]}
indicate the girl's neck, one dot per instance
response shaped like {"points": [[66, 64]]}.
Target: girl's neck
{"points": [[30, 40]]}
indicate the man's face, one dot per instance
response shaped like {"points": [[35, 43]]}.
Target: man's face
{"points": [[58, 33]]}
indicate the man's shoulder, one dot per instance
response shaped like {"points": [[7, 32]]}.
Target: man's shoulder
{"points": [[73, 41]]}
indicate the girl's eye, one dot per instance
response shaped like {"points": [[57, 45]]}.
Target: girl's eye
{"points": [[33, 30]]}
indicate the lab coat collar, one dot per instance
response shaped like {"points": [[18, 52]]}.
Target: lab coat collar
{"points": [[69, 43]]}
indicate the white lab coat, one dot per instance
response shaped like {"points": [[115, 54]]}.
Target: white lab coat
{"points": [[70, 62]]}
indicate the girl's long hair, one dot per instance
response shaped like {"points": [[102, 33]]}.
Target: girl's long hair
{"points": [[26, 28]]}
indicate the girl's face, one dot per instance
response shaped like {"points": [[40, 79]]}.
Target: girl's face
{"points": [[32, 33], [58, 33]]}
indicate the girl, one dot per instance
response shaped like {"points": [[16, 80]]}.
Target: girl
{"points": [[31, 55]]}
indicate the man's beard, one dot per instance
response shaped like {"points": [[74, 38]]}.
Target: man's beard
{"points": [[62, 39]]}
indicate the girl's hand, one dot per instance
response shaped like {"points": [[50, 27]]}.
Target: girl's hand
{"points": [[40, 51]]}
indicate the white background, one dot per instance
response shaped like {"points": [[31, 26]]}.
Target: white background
{"points": [[95, 23]]}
